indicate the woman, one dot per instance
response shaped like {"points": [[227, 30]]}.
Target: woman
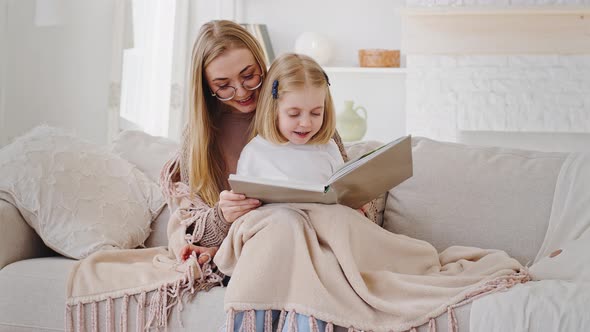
{"points": [[228, 69]]}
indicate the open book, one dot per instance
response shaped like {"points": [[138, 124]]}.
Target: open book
{"points": [[357, 182]]}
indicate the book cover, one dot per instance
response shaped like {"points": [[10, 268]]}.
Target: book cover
{"points": [[356, 183]]}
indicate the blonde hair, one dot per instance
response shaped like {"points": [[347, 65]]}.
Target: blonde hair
{"points": [[292, 72], [206, 163]]}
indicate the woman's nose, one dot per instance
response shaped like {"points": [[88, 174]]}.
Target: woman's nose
{"points": [[241, 91]]}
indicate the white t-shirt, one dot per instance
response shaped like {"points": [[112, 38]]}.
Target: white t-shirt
{"points": [[307, 163]]}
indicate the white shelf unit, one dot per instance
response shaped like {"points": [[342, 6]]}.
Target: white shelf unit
{"points": [[380, 90], [365, 70]]}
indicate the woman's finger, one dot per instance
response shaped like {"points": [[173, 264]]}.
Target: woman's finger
{"points": [[228, 204], [231, 196]]}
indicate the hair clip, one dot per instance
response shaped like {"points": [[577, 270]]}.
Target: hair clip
{"points": [[326, 76], [275, 89]]}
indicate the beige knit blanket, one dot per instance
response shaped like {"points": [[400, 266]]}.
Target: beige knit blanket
{"points": [[329, 262], [150, 282]]}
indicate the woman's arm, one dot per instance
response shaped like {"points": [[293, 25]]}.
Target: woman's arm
{"points": [[206, 225]]}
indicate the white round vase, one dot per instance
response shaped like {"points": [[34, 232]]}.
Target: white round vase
{"points": [[315, 45]]}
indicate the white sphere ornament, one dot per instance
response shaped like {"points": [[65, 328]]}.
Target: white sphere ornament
{"points": [[315, 45]]}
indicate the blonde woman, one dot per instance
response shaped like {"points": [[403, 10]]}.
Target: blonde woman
{"points": [[228, 70]]}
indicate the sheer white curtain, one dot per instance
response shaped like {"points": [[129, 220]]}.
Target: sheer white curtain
{"points": [[146, 72], [157, 69]]}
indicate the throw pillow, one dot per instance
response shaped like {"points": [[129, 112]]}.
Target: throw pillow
{"points": [[355, 150], [149, 153], [78, 196]]}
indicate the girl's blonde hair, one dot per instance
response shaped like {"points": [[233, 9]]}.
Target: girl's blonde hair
{"points": [[206, 164], [292, 72]]}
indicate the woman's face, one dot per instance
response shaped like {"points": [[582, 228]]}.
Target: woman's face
{"points": [[231, 69]]}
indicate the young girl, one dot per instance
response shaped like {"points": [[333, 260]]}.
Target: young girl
{"points": [[293, 126], [292, 138]]}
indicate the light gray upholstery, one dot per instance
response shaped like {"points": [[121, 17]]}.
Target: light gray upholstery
{"points": [[459, 195], [18, 241], [33, 299], [485, 197]]}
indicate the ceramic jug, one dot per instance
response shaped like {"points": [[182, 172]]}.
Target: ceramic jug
{"points": [[350, 125]]}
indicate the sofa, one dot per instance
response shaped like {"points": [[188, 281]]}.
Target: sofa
{"points": [[487, 197]]}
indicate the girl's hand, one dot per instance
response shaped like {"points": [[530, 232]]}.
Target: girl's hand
{"points": [[234, 205], [204, 254]]}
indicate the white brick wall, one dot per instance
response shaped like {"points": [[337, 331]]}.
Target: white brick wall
{"points": [[529, 93], [511, 93]]}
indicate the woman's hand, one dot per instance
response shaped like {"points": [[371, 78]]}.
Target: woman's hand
{"points": [[234, 205], [204, 254], [364, 208]]}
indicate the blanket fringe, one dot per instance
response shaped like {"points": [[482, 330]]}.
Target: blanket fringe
{"points": [[153, 314], [293, 322], [432, 325], [313, 325], [94, 309], [282, 318], [268, 321], [80, 317], [69, 319], [169, 171], [495, 285], [124, 313]]}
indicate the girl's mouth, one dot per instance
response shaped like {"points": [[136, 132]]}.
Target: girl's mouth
{"points": [[301, 134]]}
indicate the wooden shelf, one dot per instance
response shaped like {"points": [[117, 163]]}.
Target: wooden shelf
{"points": [[365, 70]]}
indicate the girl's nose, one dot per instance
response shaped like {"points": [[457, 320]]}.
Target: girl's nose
{"points": [[305, 121]]}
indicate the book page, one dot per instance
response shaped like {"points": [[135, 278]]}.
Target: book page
{"points": [[352, 164]]}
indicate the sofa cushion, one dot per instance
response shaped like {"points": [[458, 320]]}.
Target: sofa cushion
{"points": [[355, 150], [33, 299], [149, 153], [476, 196], [78, 196]]}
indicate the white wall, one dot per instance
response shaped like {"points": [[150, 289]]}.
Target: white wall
{"points": [[59, 74], [3, 49], [349, 25]]}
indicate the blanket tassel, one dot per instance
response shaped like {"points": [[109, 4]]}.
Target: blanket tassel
{"points": [[69, 319], [124, 314], [109, 316], [268, 321], [330, 327], [452, 324], [313, 325], [140, 319], [431, 325], [293, 322], [282, 318], [94, 308], [230, 320], [80, 317]]}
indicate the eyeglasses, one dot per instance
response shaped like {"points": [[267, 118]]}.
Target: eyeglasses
{"points": [[226, 93]]}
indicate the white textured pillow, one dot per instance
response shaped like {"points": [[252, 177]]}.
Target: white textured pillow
{"points": [[78, 196], [149, 153]]}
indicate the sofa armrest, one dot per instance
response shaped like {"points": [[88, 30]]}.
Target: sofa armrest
{"points": [[18, 241]]}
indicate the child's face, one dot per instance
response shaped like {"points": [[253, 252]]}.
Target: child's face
{"points": [[301, 114]]}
